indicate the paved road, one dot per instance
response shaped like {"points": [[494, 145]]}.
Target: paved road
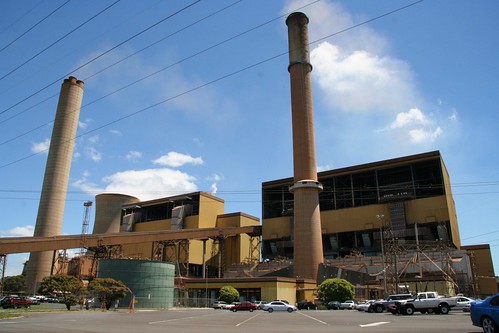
{"points": [[221, 321]]}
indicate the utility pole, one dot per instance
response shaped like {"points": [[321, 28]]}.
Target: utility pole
{"points": [[380, 218]]}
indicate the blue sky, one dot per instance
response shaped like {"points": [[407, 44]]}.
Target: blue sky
{"points": [[194, 96]]}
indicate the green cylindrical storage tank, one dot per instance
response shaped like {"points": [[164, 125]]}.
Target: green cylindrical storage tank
{"points": [[152, 282]]}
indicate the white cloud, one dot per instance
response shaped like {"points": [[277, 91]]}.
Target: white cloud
{"points": [[39, 147], [115, 132], [174, 159], [324, 167], [24, 231], [144, 184], [93, 154], [361, 81], [84, 124], [93, 139], [421, 135], [413, 116], [213, 188], [132, 154], [151, 183]]}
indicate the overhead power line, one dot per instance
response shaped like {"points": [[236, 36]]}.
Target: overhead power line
{"points": [[21, 17], [158, 71], [58, 40], [220, 78], [34, 25], [100, 55]]}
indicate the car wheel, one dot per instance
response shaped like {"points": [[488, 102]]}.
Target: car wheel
{"points": [[488, 325], [250, 310], [378, 309], [444, 309], [270, 310], [290, 310], [408, 311]]}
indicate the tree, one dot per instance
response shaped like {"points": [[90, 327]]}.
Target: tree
{"points": [[108, 290], [66, 287], [14, 284], [229, 294], [335, 290]]}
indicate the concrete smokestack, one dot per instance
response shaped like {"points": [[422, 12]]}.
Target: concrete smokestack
{"points": [[308, 252], [55, 182]]}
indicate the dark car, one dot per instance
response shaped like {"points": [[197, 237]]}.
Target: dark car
{"points": [[485, 314], [244, 306], [306, 305], [383, 305], [333, 305]]}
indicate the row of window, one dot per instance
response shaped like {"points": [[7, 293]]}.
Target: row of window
{"points": [[417, 180], [367, 242]]}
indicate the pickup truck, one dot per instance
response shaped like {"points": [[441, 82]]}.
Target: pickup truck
{"points": [[15, 302], [424, 302]]}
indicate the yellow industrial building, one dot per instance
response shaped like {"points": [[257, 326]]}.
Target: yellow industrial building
{"points": [[387, 227]]}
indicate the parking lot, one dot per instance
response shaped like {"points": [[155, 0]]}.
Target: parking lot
{"points": [[219, 321]]}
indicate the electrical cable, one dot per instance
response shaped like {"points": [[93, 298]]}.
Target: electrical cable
{"points": [[156, 72], [36, 24], [220, 78], [58, 40], [98, 56]]}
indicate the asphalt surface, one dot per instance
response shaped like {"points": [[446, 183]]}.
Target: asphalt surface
{"points": [[221, 321]]}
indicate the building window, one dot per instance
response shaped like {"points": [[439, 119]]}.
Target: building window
{"points": [[365, 188], [343, 191], [428, 179]]}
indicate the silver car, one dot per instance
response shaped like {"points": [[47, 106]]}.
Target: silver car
{"points": [[278, 306]]}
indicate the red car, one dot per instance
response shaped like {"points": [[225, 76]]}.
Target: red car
{"points": [[244, 306]]}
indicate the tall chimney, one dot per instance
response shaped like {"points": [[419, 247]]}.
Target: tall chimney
{"points": [[308, 252], [55, 182]]}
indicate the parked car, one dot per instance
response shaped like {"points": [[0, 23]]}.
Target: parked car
{"points": [[218, 304], [229, 306], [278, 306], [306, 305], [364, 305], [349, 305], [333, 305], [485, 314], [259, 304], [281, 300], [15, 302], [34, 300], [244, 306], [462, 302], [382, 305]]}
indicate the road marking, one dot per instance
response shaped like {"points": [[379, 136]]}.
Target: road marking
{"points": [[320, 321], [379, 323], [173, 319], [247, 320]]}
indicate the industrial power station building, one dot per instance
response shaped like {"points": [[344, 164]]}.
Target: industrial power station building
{"points": [[387, 227]]}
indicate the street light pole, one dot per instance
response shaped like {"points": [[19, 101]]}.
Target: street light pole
{"points": [[380, 218], [206, 285]]}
